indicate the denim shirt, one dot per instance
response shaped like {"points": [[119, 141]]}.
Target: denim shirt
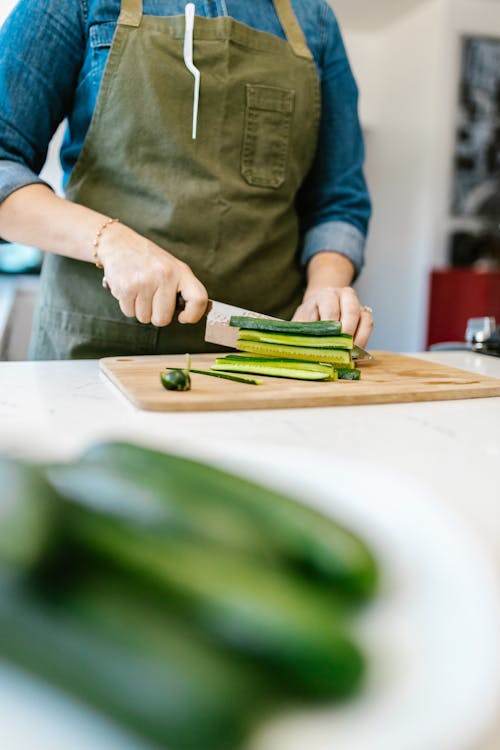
{"points": [[52, 58]]}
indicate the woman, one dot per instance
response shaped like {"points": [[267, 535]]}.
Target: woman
{"points": [[249, 189]]}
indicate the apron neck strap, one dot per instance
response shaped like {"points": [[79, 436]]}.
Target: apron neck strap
{"points": [[131, 13], [292, 29]]}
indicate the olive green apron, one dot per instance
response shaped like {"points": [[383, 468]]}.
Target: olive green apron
{"points": [[224, 202]]}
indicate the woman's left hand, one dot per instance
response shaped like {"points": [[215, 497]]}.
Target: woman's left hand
{"points": [[338, 303]]}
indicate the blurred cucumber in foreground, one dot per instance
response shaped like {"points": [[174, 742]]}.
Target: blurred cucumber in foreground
{"points": [[196, 498], [104, 640], [108, 646], [201, 601], [259, 610], [262, 612]]}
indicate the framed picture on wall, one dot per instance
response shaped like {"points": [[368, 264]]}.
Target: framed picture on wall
{"points": [[476, 170]]}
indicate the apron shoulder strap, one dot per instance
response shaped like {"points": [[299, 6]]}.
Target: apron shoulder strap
{"points": [[292, 28], [131, 13]]}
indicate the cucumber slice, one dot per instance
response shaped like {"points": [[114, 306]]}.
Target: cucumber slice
{"points": [[176, 380], [344, 373], [237, 379], [331, 356], [342, 341], [275, 371], [298, 364], [317, 328]]}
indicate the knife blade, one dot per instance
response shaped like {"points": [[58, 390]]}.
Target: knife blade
{"points": [[218, 329]]}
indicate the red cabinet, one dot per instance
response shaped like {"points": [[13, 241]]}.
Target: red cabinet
{"points": [[456, 295]]}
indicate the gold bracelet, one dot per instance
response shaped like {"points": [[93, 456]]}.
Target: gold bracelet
{"points": [[97, 240]]}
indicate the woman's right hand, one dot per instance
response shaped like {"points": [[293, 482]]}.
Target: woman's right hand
{"points": [[145, 279]]}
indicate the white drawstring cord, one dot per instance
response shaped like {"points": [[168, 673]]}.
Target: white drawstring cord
{"points": [[188, 59]]}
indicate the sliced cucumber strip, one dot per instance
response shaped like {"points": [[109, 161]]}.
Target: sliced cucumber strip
{"points": [[317, 328], [342, 341], [331, 356], [294, 364], [236, 378], [273, 371]]}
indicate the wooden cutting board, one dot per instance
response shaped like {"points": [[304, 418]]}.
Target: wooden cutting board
{"points": [[389, 379]]}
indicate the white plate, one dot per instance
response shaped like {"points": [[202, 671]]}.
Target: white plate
{"points": [[432, 637]]}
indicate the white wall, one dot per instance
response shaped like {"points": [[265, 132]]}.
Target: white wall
{"points": [[5, 8], [399, 173], [408, 75], [363, 50], [371, 15]]}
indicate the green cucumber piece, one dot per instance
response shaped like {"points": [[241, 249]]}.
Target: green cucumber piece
{"points": [[344, 373], [300, 364], [182, 495], [293, 624], [317, 328], [277, 619], [342, 341], [157, 494], [110, 646], [27, 515], [294, 364], [176, 380], [330, 356], [237, 379], [275, 371]]}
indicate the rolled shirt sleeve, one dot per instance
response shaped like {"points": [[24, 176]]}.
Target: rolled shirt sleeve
{"points": [[14, 175], [41, 51], [334, 204], [337, 236]]}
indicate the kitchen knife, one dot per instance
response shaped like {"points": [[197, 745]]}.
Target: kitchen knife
{"points": [[219, 331]]}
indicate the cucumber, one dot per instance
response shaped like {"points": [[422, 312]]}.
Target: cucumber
{"points": [[108, 645], [196, 498], [237, 379], [27, 515], [317, 328], [342, 341], [293, 626], [156, 494], [331, 356], [274, 366], [297, 626], [273, 370], [344, 373], [176, 380], [298, 364], [122, 552]]}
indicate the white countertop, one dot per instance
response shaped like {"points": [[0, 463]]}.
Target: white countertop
{"points": [[54, 409]]}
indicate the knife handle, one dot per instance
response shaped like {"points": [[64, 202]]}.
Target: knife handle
{"points": [[180, 303]]}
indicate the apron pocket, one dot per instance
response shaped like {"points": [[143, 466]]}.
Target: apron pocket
{"points": [[266, 140]]}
